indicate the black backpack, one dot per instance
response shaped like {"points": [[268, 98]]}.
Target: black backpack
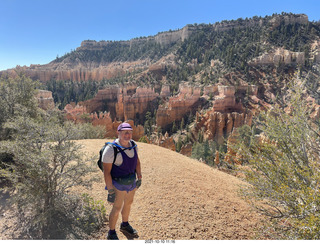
{"points": [[116, 148]]}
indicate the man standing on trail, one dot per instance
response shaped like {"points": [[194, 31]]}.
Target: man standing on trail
{"points": [[122, 174]]}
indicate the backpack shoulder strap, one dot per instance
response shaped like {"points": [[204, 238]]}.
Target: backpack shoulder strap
{"points": [[133, 143], [116, 150]]}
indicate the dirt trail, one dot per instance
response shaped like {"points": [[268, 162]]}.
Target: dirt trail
{"points": [[181, 198]]}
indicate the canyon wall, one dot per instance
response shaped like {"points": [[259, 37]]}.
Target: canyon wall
{"points": [[77, 71], [273, 22], [45, 99], [279, 56], [178, 106], [123, 102], [225, 114], [164, 38], [218, 126], [131, 102], [114, 104]]}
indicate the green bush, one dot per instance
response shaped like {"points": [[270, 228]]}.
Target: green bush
{"points": [[143, 139], [91, 215], [88, 131], [42, 163], [283, 169]]}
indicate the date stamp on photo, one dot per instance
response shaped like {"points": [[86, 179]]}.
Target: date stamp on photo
{"points": [[160, 241]]}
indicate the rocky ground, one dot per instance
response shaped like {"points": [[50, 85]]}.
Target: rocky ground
{"points": [[180, 198]]}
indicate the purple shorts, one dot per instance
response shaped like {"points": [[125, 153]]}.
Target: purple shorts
{"points": [[126, 188]]}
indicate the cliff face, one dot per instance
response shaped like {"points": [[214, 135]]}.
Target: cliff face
{"points": [[289, 19], [219, 125], [279, 56], [78, 71], [178, 106], [131, 103], [123, 103], [45, 99], [164, 38], [225, 115], [137, 104], [273, 22]]}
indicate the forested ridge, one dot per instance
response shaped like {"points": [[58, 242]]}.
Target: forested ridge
{"points": [[231, 48]]}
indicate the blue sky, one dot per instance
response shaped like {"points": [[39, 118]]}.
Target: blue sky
{"points": [[36, 31]]}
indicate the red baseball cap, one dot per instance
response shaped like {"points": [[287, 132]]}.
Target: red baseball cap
{"points": [[124, 126]]}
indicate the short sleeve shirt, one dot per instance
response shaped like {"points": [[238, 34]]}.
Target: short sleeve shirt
{"points": [[108, 154]]}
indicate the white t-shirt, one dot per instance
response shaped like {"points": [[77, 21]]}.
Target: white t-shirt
{"points": [[108, 154]]}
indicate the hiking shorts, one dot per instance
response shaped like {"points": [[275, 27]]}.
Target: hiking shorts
{"points": [[126, 188]]}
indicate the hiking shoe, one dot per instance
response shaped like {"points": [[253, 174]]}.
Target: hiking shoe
{"points": [[112, 236], [129, 231]]}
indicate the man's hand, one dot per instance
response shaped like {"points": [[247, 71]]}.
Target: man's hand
{"points": [[138, 183], [111, 196]]}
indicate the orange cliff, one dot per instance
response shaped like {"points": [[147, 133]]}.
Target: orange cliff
{"points": [[178, 106], [115, 104], [225, 115], [75, 71], [123, 103], [130, 102]]}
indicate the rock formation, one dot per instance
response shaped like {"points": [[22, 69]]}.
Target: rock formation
{"points": [[289, 19], [105, 99], [280, 55], [165, 141], [130, 103], [129, 106], [225, 115], [123, 103], [218, 125], [178, 106], [163, 38], [77, 71], [75, 112], [274, 22], [45, 99]]}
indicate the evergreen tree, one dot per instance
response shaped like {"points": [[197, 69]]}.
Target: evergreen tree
{"points": [[174, 127], [182, 125], [179, 144], [148, 124], [16, 94]]}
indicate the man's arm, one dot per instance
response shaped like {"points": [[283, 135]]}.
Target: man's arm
{"points": [[138, 169], [107, 175]]}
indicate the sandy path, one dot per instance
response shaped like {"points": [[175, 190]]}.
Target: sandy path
{"points": [[181, 198]]}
